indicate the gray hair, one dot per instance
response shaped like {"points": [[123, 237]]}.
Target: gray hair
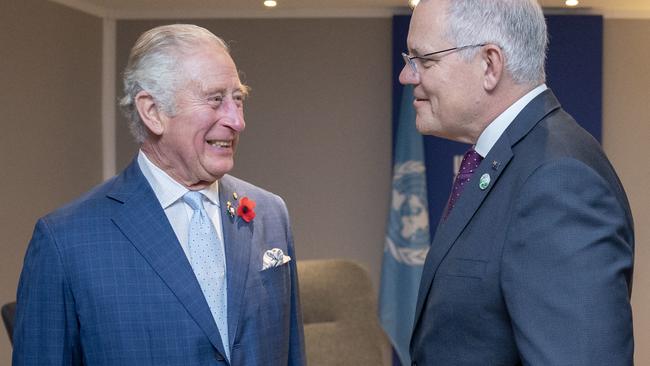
{"points": [[518, 27], [154, 67]]}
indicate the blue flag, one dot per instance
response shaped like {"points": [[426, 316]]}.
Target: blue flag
{"points": [[407, 235]]}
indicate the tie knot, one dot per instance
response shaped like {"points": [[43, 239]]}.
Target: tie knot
{"points": [[194, 199], [471, 161]]}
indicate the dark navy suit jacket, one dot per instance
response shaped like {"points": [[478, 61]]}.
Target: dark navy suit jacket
{"points": [[537, 268], [105, 282]]}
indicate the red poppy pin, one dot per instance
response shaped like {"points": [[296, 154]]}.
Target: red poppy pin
{"points": [[245, 208]]}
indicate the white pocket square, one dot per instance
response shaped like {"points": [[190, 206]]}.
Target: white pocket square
{"points": [[274, 258]]}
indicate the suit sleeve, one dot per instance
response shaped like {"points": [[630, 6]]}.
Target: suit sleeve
{"points": [[46, 329], [567, 267], [297, 355]]}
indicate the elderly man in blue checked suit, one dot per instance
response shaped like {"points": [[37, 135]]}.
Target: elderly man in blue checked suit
{"points": [[172, 262], [532, 261]]}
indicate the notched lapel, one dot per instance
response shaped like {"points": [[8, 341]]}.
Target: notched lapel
{"points": [[144, 223], [238, 239]]}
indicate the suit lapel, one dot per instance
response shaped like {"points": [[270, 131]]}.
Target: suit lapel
{"points": [[238, 239], [470, 201], [143, 221]]}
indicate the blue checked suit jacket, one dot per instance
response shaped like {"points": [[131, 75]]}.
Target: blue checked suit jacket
{"points": [[105, 282], [536, 269]]}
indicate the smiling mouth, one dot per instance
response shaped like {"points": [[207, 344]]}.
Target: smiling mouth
{"points": [[220, 143]]}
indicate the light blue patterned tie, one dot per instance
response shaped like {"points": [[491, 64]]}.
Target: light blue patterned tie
{"points": [[209, 263]]}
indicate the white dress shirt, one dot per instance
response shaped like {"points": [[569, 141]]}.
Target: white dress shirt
{"points": [[170, 195], [495, 129]]}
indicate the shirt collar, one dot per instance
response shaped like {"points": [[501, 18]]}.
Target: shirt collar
{"points": [[494, 130], [212, 193], [166, 189]]}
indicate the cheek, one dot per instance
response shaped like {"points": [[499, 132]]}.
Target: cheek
{"points": [[177, 137], [435, 98]]}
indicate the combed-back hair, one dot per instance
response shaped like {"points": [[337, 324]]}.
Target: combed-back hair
{"points": [[518, 27], [154, 66]]}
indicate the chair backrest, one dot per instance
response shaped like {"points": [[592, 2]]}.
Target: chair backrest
{"points": [[9, 317], [339, 309]]}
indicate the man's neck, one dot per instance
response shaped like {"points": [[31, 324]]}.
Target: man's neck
{"points": [[158, 159], [501, 99]]}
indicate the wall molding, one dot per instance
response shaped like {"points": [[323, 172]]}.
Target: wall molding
{"points": [[627, 14], [381, 12], [608, 14], [109, 152], [213, 13], [84, 6]]}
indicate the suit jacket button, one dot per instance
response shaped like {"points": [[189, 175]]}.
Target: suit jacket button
{"points": [[218, 356]]}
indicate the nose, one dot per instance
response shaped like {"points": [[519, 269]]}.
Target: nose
{"points": [[407, 76], [233, 115]]}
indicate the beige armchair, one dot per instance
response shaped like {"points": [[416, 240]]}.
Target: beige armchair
{"points": [[9, 317], [339, 309]]}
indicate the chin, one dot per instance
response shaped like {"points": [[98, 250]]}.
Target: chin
{"points": [[221, 170], [214, 168], [423, 126]]}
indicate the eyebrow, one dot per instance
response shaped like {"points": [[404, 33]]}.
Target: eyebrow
{"points": [[416, 51], [245, 89]]}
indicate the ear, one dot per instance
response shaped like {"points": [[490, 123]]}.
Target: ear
{"points": [[149, 113], [493, 66]]}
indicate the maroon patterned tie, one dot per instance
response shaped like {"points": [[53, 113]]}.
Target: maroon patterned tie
{"points": [[470, 163]]}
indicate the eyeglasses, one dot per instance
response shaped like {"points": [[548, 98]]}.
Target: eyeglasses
{"points": [[408, 59]]}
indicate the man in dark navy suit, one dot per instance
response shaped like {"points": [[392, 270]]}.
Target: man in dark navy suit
{"points": [[532, 261]]}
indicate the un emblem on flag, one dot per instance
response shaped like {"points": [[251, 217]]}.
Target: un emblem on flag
{"points": [[408, 225]]}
